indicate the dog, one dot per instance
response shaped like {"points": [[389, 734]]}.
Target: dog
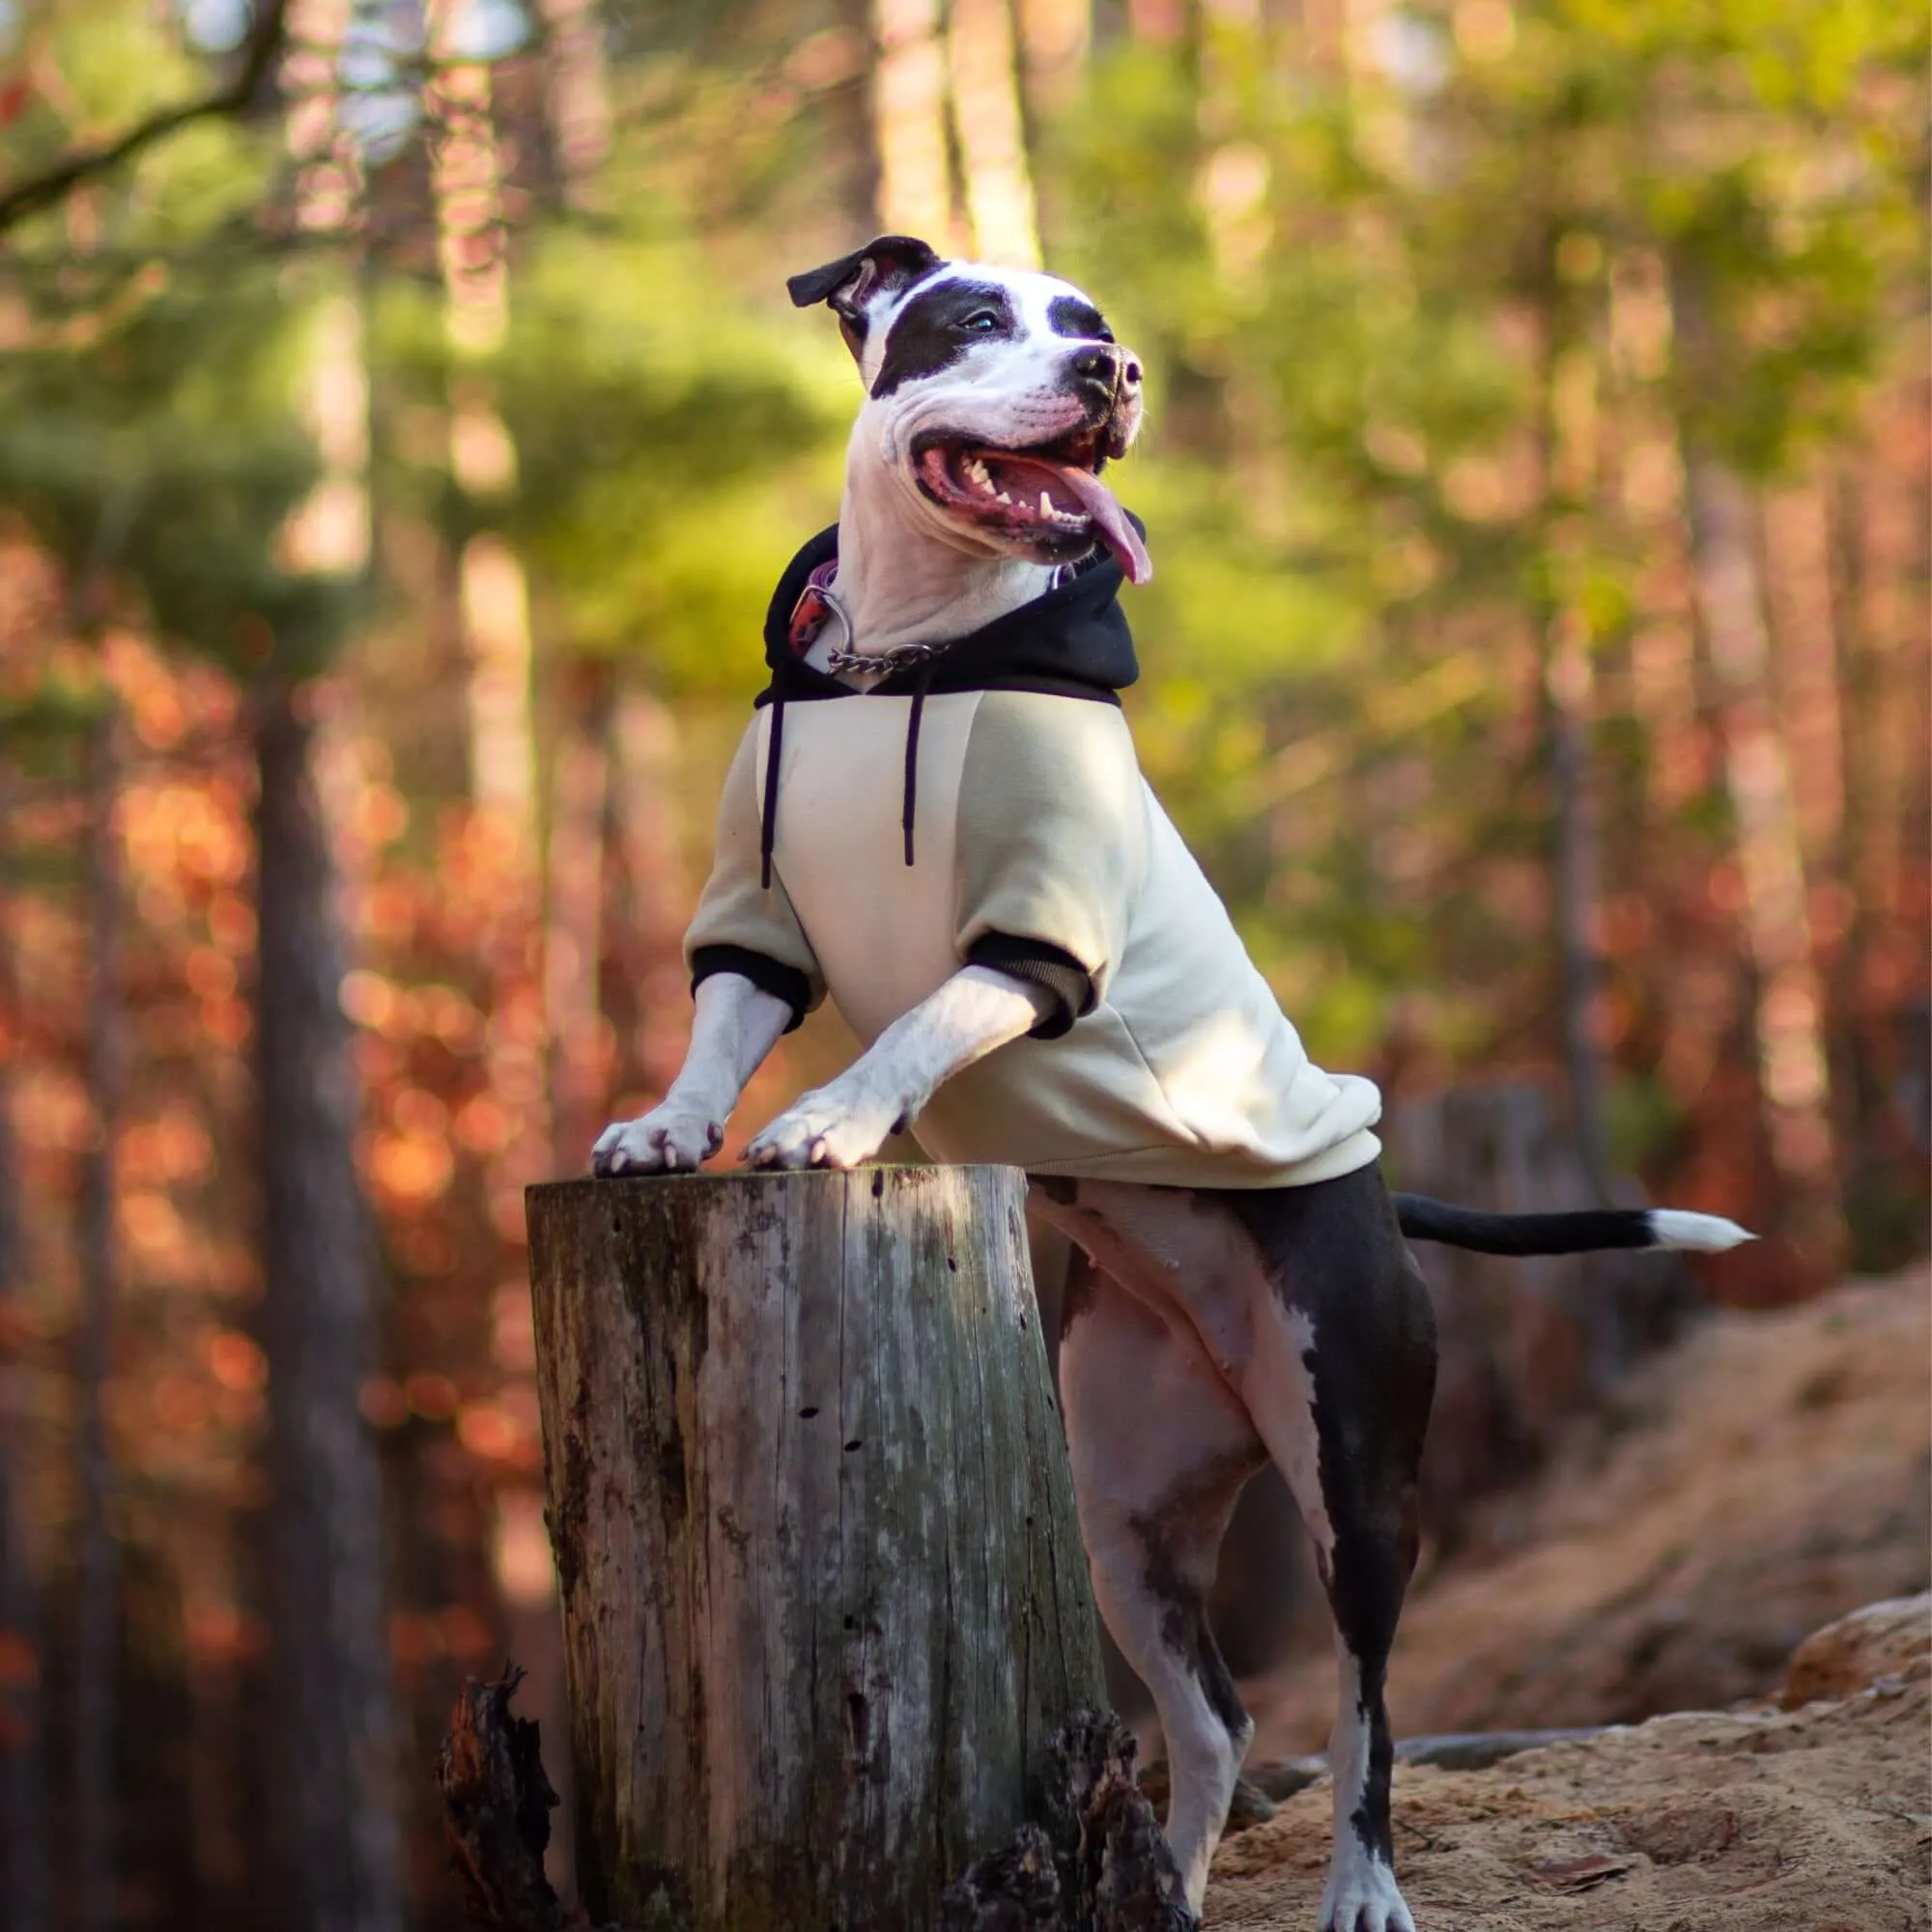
{"points": [[936, 816]]}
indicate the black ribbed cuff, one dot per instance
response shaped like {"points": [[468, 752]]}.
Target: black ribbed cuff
{"points": [[770, 976], [1040, 964]]}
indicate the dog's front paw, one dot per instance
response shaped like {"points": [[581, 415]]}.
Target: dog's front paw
{"points": [[826, 1128], [668, 1140]]}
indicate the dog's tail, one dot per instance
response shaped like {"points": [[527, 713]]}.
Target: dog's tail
{"points": [[1425, 1220]]}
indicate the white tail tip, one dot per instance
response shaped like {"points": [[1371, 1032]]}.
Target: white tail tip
{"points": [[1703, 1234]]}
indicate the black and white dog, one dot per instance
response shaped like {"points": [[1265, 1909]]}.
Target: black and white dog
{"points": [[963, 853]]}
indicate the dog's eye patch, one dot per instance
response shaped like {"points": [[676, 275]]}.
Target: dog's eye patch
{"points": [[1069, 315], [936, 329]]}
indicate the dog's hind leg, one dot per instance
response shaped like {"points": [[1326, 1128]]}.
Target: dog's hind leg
{"points": [[1161, 1449], [1340, 1382]]}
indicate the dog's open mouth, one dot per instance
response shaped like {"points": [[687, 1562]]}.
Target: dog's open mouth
{"points": [[1048, 497]]}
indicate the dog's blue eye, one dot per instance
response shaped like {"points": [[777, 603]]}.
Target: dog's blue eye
{"points": [[981, 321]]}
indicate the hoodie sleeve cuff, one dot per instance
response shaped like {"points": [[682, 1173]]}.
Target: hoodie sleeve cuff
{"points": [[770, 976], [1040, 964]]}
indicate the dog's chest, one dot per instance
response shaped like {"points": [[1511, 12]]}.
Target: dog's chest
{"points": [[884, 932]]}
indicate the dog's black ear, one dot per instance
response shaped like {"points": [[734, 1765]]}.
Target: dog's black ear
{"points": [[850, 283]]}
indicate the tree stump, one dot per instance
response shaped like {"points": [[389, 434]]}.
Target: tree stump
{"points": [[824, 1598]]}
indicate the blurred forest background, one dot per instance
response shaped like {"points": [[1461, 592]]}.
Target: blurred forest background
{"points": [[402, 425]]}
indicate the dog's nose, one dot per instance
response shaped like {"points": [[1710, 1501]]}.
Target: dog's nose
{"points": [[1103, 376], [1104, 370]]}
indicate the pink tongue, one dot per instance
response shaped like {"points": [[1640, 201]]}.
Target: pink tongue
{"points": [[1122, 539]]}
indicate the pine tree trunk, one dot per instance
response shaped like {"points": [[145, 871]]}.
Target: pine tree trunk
{"points": [[493, 593], [915, 179], [23, 1851], [1524, 1343], [1792, 1067], [1569, 440], [1055, 38], [580, 1061], [96, 1621], [986, 119], [578, 83], [1788, 1016], [824, 1595], [467, 187], [647, 984], [333, 1789]]}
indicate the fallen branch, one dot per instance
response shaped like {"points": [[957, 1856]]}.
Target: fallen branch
{"points": [[1268, 1784], [1477, 1751], [28, 197]]}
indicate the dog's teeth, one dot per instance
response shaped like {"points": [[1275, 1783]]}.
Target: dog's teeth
{"points": [[1004, 498], [1046, 502]]}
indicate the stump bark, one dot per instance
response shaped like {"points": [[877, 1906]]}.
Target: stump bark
{"points": [[824, 1598]]}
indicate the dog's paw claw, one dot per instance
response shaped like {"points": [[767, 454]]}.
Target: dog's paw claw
{"points": [[668, 1140], [822, 1129]]}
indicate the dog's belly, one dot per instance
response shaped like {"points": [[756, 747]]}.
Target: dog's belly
{"points": [[883, 932], [1178, 1249]]}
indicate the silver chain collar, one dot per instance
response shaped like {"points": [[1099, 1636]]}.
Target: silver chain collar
{"points": [[872, 664], [847, 662]]}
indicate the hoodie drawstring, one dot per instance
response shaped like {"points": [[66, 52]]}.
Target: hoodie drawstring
{"points": [[913, 718], [768, 821], [768, 824]]}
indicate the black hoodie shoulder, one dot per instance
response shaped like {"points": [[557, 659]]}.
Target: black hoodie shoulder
{"points": [[1072, 642]]}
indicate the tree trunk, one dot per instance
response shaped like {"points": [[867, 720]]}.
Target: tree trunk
{"points": [[333, 1790], [914, 180], [1569, 460], [823, 1590], [993, 166], [1792, 1069], [97, 1620], [577, 84], [23, 1851], [1524, 1343], [1789, 1020], [645, 986], [492, 592], [1056, 36], [466, 184], [579, 1057]]}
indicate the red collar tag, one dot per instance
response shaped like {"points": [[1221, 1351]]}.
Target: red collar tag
{"points": [[812, 610]]}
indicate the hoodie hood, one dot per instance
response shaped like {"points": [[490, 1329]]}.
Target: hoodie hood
{"points": [[1073, 642]]}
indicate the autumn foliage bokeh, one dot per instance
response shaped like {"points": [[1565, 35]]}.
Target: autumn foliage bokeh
{"points": [[1539, 480]]}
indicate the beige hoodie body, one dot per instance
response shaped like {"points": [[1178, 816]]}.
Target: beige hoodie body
{"points": [[1031, 821]]}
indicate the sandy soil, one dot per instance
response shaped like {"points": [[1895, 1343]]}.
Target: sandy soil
{"points": [[1770, 1473], [1765, 1478], [1818, 1820]]}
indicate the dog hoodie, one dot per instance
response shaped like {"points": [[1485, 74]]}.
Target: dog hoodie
{"points": [[986, 806]]}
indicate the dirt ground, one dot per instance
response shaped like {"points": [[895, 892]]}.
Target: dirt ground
{"points": [[1818, 1820], [1769, 1475]]}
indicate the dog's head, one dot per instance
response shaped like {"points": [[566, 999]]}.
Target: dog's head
{"points": [[994, 397]]}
